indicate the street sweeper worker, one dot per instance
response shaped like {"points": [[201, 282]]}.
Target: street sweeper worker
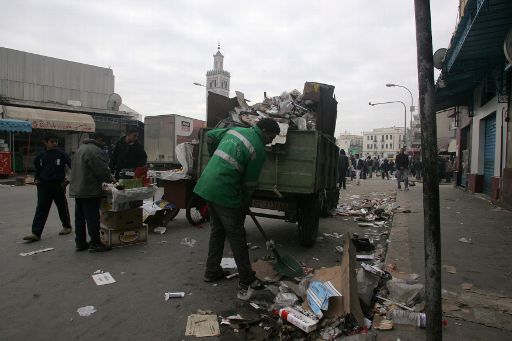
{"points": [[227, 184]]}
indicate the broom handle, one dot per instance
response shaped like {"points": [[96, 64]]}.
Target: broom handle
{"points": [[274, 250]]}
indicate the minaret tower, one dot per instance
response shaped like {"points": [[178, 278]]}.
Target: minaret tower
{"points": [[217, 80]]}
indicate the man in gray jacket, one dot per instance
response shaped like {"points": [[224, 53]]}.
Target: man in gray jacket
{"points": [[89, 170]]}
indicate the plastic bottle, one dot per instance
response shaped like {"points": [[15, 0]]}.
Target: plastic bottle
{"points": [[409, 317]]}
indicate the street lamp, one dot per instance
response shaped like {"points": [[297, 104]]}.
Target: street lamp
{"points": [[199, 84], [405, 116], [411, 108]]}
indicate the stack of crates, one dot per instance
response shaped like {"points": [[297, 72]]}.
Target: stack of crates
{"points": [[123, 227]]}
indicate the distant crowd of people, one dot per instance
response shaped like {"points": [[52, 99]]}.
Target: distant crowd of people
{"points": [[401, 166], [354, 166]]}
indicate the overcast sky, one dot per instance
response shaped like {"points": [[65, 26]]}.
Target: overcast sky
{"points": [[157, 49]]}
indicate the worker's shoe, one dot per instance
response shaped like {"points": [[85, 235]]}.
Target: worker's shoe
{"points": [[98, 247], [65, 230], [216, 277], [32, 238], [82, 246], [245, 291]]}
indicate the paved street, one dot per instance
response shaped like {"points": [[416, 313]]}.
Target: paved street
{"points": [[41, 293]]}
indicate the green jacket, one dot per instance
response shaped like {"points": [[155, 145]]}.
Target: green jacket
{"points": [[231, 175]]}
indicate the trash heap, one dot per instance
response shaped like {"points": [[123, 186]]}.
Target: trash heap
{"points": [[292, 109], [344, 302]]}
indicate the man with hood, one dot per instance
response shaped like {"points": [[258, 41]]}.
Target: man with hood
{"points": [[227, 184], [128, 153], [88, 172]]}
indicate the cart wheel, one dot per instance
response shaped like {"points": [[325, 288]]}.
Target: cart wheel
{"points": [[197, 211], [308, 216]]}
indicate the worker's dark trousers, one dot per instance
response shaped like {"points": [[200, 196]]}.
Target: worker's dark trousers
{"points": [[48, 192], [228, 222], [87, 212]]}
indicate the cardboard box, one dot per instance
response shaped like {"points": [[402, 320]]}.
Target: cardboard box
{"points": [[123, 220], [120, 238]]}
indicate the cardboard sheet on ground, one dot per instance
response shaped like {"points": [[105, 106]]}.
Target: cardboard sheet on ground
{"points": [[265, 271], [202, 325], [344, 279]]}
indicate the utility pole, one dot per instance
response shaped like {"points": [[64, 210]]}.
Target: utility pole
{"points": [[432, 224]]}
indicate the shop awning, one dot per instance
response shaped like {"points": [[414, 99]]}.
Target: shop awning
{"points": [[15, 126], [50, 119]]}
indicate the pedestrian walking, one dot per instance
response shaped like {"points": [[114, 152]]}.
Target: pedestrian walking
{"points": [[359, 165], [419, 169], [227, 184], [342, 169], [402, 169], [385, 169], [89, 171], [376, 165], [50, 179], [369, 165], [352, 167], [128, 153], [391, 167]]}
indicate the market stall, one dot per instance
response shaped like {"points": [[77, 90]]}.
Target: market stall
{"points": [[8, 128]]}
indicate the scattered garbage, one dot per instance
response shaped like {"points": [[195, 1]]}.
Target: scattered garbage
{"points": [[298, 319], [160, 229], [23, 254], [284, 299], [169, 295], [233, 275], [465, 240], [228, 263], [403, 292], [384, 325], [103, 278], [466, 286], [188, 242], [450, 269], [409, 317], [202, 325], [318, 295], [86, 311]]}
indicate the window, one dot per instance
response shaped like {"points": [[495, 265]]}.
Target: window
{"points": [[386, 146]]}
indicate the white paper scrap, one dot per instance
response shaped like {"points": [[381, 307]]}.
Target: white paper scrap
{"points": [[86, 311], [103, 278], [23, 254], [228, 263]]}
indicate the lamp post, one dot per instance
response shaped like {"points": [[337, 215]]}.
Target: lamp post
{"points": [[405, 116], [411, 108]]}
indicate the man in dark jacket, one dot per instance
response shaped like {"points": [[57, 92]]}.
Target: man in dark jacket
{"points": [[342, 169], [402, 169], [89, 171], [50, 179], [128, 153]]}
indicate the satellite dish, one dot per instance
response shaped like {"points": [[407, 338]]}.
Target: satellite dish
{"points": [[439, 57], [507, 46], [114, 101]]}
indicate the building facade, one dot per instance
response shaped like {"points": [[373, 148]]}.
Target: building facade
{"points": [[351, 143], [475, 81], [217, 80], [69, 98], [383, 142]]}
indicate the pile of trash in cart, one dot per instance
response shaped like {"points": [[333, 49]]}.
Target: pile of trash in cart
{"points": [[348, 301], [292, 110]]}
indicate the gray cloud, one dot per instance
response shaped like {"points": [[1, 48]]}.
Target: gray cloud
{"points": [[157, 49]]}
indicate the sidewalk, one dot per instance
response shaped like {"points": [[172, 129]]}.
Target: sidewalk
{"points": [[484, 263]]}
